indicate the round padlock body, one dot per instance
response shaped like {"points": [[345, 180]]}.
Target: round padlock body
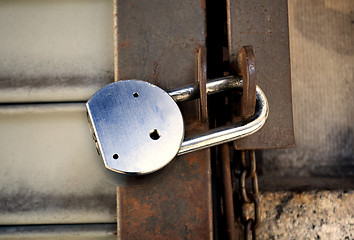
{"points": [[138, 126]]}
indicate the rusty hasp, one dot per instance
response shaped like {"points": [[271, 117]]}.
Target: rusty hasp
{"points": [[244, 65], [228, 202]]}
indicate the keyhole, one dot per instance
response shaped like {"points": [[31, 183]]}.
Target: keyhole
{"points": [[155, 134], [115, 156], [135, 94]]}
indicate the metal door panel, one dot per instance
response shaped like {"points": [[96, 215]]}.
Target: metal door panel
{"points": [[264, 25], [50, 172], [54, 50]]}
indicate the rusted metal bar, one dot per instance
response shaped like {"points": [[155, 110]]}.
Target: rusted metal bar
{"points": [[202, 81], [228, 193], [158, 41]]}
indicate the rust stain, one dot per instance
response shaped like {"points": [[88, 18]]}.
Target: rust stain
{"points": [[155, 74], [203, 7], [202, 4], [123, 44], [120, 74], [196, 48], [145, 210], [171, 208]]}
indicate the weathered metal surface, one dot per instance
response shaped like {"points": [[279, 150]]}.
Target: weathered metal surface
{"points": [[264, 24], [271, 181], [50, 172], [245, 66], [157, 41], [176, 206], [54, 50], [228, 201]]}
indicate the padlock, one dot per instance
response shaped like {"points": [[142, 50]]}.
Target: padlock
{"points": [[138, 127]]}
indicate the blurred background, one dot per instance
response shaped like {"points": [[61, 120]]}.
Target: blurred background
{"points": [[322, 68]]}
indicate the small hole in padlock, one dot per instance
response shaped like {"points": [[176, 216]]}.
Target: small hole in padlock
{"points": [[135, 94], [155, 134], [115, 156]]}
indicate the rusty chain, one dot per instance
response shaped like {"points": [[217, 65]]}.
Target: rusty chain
{"points": [[249, 197], [243, 64]]}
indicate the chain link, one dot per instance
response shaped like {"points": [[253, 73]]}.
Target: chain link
{"points": [[249, 198]]}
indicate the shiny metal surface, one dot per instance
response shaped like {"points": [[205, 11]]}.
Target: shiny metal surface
{"points": [[138, 127], [231, 132], [212, 86]]}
